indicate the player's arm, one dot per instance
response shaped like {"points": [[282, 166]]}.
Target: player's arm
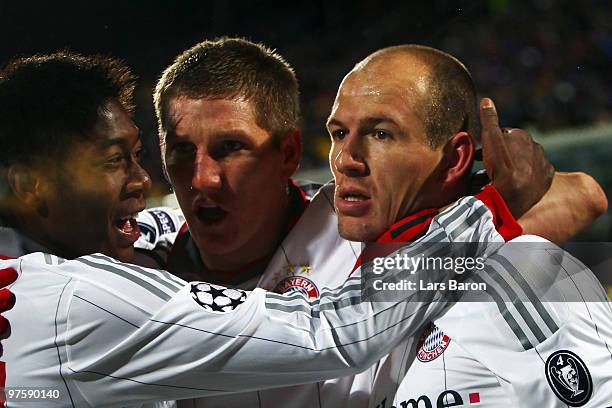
{"points": [[553, 205], [159, 227], [573, 202], [154, 337]]}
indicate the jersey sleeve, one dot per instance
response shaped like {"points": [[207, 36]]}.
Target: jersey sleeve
{"points": [[543, 326], [158, 227], [126, 334]]}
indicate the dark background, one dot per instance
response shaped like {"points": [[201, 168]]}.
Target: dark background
{"points": [[546, 63]]}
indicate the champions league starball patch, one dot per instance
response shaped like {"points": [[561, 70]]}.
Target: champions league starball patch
{"points": [[299, 284], [216, 298], [432, 344], [569, 378]]}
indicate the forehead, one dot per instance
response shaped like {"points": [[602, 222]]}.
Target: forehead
{"points": [[113, 127], [188, 114], [115, 122], [391, 87]]}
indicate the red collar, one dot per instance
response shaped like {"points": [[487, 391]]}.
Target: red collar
{"points": [[415, 225], [410, 227], [407, 229]]}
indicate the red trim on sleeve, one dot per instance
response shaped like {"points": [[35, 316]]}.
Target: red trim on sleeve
{"points": [[4, 257], [503, 219], [2, 384]]}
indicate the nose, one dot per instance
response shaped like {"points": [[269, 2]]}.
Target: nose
{"points": [[139, 182], [350, 157], [206, 173]]}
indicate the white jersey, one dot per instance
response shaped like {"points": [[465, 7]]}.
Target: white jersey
{"points": [[543, 338], [103, 333], [485, 361], [313, 258]]}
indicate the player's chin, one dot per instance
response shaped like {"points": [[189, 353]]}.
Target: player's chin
{"points": [[357, 229]]}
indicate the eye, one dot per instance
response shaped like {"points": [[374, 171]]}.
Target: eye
{"points": [[381, 134], [232, 146], [338, 134], [114, 159]]}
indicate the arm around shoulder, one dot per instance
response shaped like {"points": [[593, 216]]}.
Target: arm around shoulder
{"points": [[573, 202]]}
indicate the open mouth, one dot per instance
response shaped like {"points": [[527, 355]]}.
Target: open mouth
{"points": [[351, 201], [353, 197], [128, 226], [211, 214]]}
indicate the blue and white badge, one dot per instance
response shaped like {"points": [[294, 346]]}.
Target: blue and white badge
{"points": [[569, 378]]}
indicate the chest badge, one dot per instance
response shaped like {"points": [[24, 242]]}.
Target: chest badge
{"points": [[299, 284], [432, 344]]}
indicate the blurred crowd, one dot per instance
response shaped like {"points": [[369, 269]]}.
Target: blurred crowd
{"points": [[545, 62]]}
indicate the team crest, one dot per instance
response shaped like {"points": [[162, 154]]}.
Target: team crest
{"points": [[432, 344], [569, 378], [298, 284]]}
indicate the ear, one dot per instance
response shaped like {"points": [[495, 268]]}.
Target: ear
{"points": [[291, 150], [458, 156], [27, 186]]}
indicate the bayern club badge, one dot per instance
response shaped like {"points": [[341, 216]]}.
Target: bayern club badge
{"points": [[432, 344], [569, 378], [298, 284]]}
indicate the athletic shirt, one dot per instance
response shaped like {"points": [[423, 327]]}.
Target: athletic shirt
{"points": [[489, 354], [313, 258], [102, 332]]}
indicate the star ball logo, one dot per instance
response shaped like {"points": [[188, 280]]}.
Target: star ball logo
{"points": [[215, 298]]}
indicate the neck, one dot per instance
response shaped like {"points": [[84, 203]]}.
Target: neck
{"points": [[35, 231], [439, 197]]}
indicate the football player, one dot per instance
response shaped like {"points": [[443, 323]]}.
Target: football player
{"points": [[221, 106], [397, 157], [109, 333]]}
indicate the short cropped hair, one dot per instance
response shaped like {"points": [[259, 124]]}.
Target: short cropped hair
{"points": [[451, 103], [49, 102], [228, 68]]}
